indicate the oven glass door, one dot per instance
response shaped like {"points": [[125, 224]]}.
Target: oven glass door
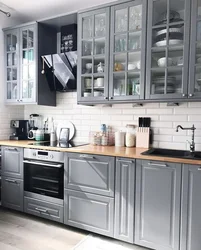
{"points": [[45, 178]]}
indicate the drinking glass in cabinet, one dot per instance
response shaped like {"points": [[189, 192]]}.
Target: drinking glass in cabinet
{"points": [[174, 80], [88, 83], [9, 42], [120, 43], [31, 55], [14, 74], [9, 59], [27, 89], [100, 25], [87, 27], [87, 48], [198, 79], [14, 59], [133, 86], [121, 20], [25, 38], [25, 57], [25, 70], [158, 82], [30, 39], [119, 84], [99, 46], [135, 17], [134, 41], [31, 74], [9, 74]]}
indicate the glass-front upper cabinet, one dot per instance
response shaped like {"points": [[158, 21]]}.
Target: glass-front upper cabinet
{"points": [[127, 50], [168, 49], [195, 51], [93, 37], [12, 65], [28, 64]]}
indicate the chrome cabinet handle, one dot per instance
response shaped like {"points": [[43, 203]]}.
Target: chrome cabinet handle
{"points": [[41, 210], [43, 164], [11, 149], [120, 160], [157, 165], [87, 157], [11, 181]]}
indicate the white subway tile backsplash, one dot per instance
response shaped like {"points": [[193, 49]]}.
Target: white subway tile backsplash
{"points": [[164, 119]]}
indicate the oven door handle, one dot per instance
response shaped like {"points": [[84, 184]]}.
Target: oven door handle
{"points": [[44, 164]]}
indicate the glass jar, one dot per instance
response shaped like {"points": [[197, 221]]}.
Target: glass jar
{"points": [[130, 136]]}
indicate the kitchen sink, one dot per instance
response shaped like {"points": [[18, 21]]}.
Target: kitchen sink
{"points": [[173, 153]]}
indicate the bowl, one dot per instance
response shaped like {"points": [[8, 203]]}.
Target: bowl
{"points": [[97, 93], [100, 82], [163, 63], [131, 66]]}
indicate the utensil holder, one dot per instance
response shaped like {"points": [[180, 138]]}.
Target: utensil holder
{"points": [[142, 137]]}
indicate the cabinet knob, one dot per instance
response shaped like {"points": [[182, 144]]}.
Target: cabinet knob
{"points": [[184, 95], [190, 95], [106, 98], [111, 98]]}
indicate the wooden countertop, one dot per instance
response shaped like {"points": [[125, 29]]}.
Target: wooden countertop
{"points": [[123, 152]]}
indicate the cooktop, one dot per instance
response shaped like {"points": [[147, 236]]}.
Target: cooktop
{"points": [[70, 144]]}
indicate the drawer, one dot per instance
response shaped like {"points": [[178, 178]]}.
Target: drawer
{"points": [[12, 193], [90, 173], [90, 212], [43, 209]]}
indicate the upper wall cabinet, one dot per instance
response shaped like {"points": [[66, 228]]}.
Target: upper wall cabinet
{"points": [[127, 51], [24, 83], [93, 37], [167, 49], [195, 51]]}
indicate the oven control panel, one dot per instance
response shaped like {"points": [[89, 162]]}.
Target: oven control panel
{"points": [[43, 155]]}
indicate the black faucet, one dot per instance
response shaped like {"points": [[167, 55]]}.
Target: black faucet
{"points": [[192, 144]]}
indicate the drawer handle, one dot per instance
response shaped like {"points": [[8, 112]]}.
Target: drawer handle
{"points": [[87, 157], [11, 181], [158, 165], [11, 149], [41, 210], [130, 162]]}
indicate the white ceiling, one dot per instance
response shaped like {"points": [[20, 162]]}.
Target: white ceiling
{"points": [[31, 10]]}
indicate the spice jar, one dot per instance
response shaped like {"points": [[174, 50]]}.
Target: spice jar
{"points": [[130, 135]]}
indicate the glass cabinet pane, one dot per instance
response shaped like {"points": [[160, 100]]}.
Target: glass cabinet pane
{"points": [[28, 64], [100, 25], [121, 20], [94, 54], [167, 47], [135, 17]]}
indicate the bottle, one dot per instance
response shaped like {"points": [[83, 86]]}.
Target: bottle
{"points": [[130, 135], [52, 133]]}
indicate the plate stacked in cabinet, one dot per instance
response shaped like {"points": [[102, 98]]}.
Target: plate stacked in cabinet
{"points": [[167, 56]]}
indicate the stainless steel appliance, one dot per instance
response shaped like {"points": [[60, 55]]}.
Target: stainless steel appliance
{"points": [[21, 128], [59, 144], [44, 173]]}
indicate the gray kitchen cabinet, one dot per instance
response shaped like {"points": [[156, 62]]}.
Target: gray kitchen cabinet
{"points": [[158, 201], [12, 162], [128, 50], [168, 49], [124, 200], [190, 209], [93, 55], [12, 193], [24, 46], [44, 209], [89, 173], [195, 52], [89, 211]]}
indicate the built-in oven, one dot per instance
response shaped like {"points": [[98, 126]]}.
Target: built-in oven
{"points": [[44, 173]]}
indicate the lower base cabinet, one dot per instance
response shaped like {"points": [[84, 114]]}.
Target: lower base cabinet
{"points": [[158, 203], [89, 211], [44, 209], [12, 193], [124, 200], [191, 208]]}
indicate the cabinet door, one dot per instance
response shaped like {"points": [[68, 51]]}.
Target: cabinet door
{"points": [[90, 212], [167, 49], [157, 214], [28, 49], [124, 200], [12, 193], [12, 162], [90, 173], [93, 55], [12, 65], [195, 51], [191, 205], [127, 50]]}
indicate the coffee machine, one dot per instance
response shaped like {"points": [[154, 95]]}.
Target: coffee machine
{"points": [[21, 128]]}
